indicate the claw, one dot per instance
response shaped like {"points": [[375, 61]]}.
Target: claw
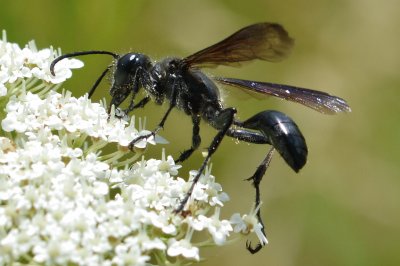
{"points": [[251, 249]]}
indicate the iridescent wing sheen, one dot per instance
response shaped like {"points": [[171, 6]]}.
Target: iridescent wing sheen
{"points": [[317, 100]]}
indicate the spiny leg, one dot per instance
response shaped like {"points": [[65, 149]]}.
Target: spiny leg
{"points": [[256, 138], [161, 124], [226, 121], [196, 140], [155, 131], [132, 106], [256, 178]]}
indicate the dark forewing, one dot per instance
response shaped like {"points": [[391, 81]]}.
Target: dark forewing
{"points": [[317, 100], [264, 41]]}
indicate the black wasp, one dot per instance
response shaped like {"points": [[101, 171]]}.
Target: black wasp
{"points": [[186, 87]]}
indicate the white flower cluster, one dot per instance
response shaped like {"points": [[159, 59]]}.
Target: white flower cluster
{"points": [[28, 63], [59, 207], [78, 116], [64, 200]]}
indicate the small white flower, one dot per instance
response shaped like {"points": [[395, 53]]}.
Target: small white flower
{"points": [[217, 228], [239, 224], [149, 244], [183, 247], [207, 190], [161, 220], [130, 255], [249, 223], [168, 165]]}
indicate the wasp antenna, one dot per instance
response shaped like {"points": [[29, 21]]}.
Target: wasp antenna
{"points": [[74, 54]]}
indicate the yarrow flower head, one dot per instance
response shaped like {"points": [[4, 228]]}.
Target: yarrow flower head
{"points": [[65, 200]]}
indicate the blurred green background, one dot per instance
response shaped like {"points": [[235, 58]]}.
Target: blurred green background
{"points": [[343, 208]]}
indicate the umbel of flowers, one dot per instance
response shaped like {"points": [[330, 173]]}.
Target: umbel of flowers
{"points": [[65, 200]]}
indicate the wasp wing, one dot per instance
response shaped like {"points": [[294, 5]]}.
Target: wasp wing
{"points": [[317, 100], [264, 41]]}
